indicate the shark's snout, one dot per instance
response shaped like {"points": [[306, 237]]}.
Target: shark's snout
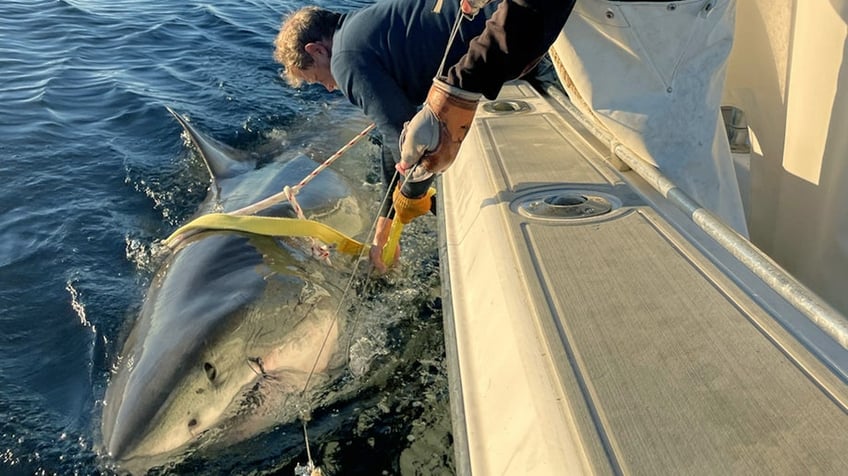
{"points": [[117, 445], [122, 434]]}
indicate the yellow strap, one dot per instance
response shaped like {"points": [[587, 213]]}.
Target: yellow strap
{"points": [[388, 255], [390, 247], [271, 226]]}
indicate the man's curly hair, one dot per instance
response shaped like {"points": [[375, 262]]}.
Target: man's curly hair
{"points": [[307, 25]]}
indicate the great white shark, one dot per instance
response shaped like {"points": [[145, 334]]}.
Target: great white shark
{"points": [[232, 323]]}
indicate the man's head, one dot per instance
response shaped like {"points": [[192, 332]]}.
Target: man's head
{"points": [[304, 46]]}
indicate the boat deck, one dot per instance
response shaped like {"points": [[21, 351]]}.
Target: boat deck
{"points": [[593, 328]]}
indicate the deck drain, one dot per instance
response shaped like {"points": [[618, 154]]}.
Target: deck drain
{"points": [[566, 205], [504, 106]]}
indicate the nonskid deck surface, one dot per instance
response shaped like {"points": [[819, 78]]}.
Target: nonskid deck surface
{"points": [[626, 342]]}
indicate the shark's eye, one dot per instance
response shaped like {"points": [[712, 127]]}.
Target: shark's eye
{"points": [[192, 423], [211, 373]]}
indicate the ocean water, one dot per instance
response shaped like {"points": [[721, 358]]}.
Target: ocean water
{"points": [[94, 171]]}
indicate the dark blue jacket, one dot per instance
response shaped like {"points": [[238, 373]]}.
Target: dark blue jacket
{"points": [[516, 36], [385, 56]]}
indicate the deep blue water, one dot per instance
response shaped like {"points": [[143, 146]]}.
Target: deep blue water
{"points": [[93, 171]]}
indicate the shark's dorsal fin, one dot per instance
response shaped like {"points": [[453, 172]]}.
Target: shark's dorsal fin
{"points": [[222, 160]]}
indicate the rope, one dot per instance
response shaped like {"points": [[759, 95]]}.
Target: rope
{"points": [[282, 196], [310, 469], [347, 288], [394, 237], [320, 251], [450, 42]]}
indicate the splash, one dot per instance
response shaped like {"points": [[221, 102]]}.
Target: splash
{"points": [[143, 254], [78, 307]]}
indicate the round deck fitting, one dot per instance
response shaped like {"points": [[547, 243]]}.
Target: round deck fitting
{"points": [[506, 106], [566, 205]]}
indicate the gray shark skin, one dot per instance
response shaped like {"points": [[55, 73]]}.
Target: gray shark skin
{"points": [[232, 323]]}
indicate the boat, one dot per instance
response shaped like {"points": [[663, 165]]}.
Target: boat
{"points": [[600, 320]]}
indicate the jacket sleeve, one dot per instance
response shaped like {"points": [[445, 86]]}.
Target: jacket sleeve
{"points": [[515, 38]]}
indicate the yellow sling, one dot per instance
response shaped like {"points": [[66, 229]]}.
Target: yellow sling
{"points": [[270, 226]]}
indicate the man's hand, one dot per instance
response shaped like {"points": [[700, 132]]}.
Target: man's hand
{"points": [[420, 136], [432, 137], [471, 7], [406, 210], [375, 253]]}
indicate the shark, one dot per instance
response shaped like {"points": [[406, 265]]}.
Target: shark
{"points": [[233, 325]]}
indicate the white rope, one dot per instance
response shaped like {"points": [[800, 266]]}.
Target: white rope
{"points": [[282, 196], [450, 42], [310, 469], [320, 252]]}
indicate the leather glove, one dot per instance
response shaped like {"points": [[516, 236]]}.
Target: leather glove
{"points": [[471, 7], [408, 209], [432, 137]]}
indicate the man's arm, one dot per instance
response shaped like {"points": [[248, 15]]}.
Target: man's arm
{"points": [[515, 37], [368, 86]]}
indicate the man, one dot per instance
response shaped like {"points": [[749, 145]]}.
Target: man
{"points": [[383, 58]]}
